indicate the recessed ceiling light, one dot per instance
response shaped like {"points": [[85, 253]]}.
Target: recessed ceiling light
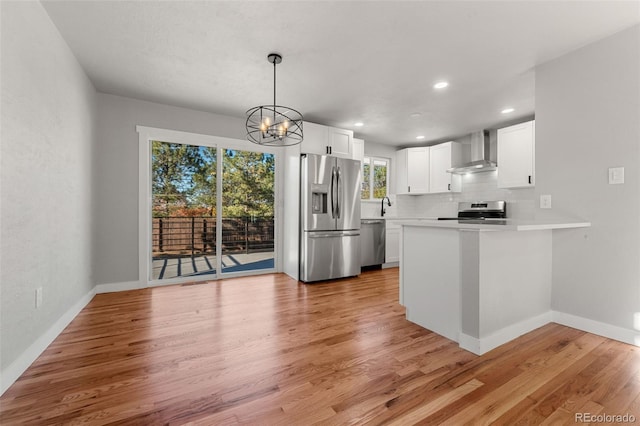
{"points": [[440, 85], [420, 137], [507, 110], [358, 124]]}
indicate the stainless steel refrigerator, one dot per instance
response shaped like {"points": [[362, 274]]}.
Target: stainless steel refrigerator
{"points": [[329, 217]]}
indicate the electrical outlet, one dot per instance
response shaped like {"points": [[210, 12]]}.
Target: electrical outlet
{"points": [[38, 297], [545, 201], [616, 175]]}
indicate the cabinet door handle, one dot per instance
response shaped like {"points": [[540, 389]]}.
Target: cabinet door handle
{"points": [[529, 179], [449, 187], [409, 188]]}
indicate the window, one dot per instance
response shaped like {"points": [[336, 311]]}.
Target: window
{"points": [[375, 176]]}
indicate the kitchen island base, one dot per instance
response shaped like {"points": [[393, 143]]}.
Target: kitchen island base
{"points": [[478, 287]]}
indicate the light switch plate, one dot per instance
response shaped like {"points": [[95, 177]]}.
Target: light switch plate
{"points": [[545, 201], [616, 175]]}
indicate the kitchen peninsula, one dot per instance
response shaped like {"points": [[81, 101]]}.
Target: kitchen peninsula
{"points": [[480, 283]]}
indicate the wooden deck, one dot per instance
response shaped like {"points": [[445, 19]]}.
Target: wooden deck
{"points": [[203, 264], [268, 350]]}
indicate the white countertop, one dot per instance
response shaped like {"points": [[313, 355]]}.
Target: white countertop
{"points": [[504, 225]]}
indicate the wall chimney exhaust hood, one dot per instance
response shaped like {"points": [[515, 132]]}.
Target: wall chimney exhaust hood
{"points": [[480, 156]]}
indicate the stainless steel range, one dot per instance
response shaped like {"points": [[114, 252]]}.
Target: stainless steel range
{"points": [[493, 212]]}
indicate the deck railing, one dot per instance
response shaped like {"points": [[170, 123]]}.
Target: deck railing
{"points": [[179, 236]]}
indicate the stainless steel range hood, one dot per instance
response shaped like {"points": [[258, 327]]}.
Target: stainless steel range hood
{"points": [[480, 155]]}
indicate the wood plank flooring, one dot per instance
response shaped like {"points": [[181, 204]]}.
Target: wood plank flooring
{"points": [[268, 350]]}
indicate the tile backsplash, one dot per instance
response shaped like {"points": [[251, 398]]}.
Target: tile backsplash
{"points": [[475, 187], [370, 209]]}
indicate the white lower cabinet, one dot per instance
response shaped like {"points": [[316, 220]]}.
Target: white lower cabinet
{"points": [[392, 242]]}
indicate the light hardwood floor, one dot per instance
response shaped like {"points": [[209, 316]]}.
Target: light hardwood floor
{"points": [[268, 350]]}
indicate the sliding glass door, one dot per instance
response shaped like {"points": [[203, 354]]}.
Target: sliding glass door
{"points": [[212, 211], [183, 210], [248, 180]]}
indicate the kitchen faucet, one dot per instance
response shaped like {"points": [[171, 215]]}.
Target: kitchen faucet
{"points": [[382, 207]]}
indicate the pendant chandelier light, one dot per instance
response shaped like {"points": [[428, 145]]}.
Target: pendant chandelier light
{"points": [[274, 125]]}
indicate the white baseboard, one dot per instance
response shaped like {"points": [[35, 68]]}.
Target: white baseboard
{"points": [[390, 265], [469, 343], [500, 337], [113, 287], [9, 375], [485, 344], [614, 332]]}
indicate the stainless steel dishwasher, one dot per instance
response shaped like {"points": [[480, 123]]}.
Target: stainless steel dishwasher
{"points": [[372, 242]]}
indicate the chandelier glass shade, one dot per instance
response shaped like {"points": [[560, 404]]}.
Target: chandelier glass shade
{"points": [[274, 125]]}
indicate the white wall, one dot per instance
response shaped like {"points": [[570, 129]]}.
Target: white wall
{"points": [[587, 120], [116, 217], [48, 134]]}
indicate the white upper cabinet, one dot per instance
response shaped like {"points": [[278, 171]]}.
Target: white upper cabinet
{"points": [[316, 138], [412, 172], [340, 142], [441, 158], [319, 139], [358, 150], [516, 155]]}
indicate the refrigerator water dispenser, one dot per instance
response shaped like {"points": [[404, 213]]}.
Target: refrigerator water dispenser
{"points": [[319, 202]]}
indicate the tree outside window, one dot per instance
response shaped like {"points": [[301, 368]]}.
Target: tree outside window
{"points": [[375, 177]]}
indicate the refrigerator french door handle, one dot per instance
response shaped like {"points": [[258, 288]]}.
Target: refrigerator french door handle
{"points": [[333, 192], [339, 191]]}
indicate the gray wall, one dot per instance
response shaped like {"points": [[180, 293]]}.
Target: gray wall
{"points": [[587, 120], [48, 133], [116, 174]]}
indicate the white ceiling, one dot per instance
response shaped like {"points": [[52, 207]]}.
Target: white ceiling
{"points": [[344, 61]]}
